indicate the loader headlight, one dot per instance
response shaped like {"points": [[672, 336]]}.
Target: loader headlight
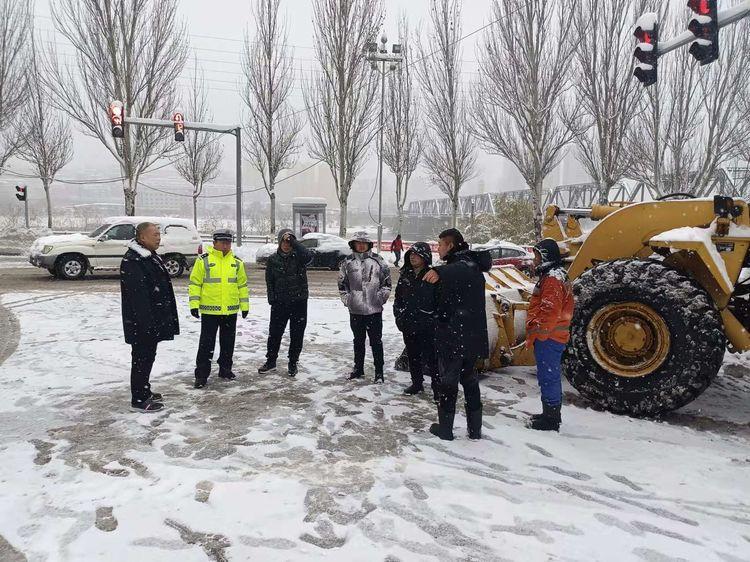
{"points": [[47, 249]]}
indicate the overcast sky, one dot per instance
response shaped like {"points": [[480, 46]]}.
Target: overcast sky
{"points": [[216, 29]]}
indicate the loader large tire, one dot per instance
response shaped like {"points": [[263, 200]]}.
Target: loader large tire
{"points": [[645, 339]]}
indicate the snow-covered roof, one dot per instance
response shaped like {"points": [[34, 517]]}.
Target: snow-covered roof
{"points": [[158, 220], [322, 236], [309, 201]]}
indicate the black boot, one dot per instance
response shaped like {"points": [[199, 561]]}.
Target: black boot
{"points": [[200, 383], [444, 427], [414, 388], [474, 422], [292, 369], [379, 378], [227, 376], [355, 374], [548, 421], [268, 366]]}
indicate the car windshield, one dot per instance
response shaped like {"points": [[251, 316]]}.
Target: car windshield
{"points": [[99, 230]]}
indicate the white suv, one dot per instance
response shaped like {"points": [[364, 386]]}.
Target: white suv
{"points": [[71, 256]]}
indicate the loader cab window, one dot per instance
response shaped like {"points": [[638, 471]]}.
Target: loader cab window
{"points": [[310, 243]]}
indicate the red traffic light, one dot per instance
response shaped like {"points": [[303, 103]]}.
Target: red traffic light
{"points": [[116, 113], [701, 7], [179, 126], [21, 192], [644, 36]]}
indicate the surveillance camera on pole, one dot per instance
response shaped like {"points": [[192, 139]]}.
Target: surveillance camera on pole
{"points": [[117, 117], [179, 125]]}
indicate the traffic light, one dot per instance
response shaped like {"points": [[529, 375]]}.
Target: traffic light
{"points": [[117, 117], [179, 126], [705, 27], [21, 192], [646, 51]]}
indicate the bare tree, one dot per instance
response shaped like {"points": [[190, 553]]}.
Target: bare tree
{"points": [[46, 139], [402, 144], [694, 120], [16, 25], [273, 127], [450, 157], [202, 153], [521, 109], [128, 50], [605, 88], [340, 100]]}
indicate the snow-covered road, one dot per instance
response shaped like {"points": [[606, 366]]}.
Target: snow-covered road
{"points": [[269, 468]]}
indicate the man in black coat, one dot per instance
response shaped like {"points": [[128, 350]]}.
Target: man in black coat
{"points": [[286, 285], [149, 311], [414, 310], [461, 333]]}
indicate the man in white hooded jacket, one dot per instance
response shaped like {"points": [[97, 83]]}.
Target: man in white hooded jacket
{"points": [[364, 286]]}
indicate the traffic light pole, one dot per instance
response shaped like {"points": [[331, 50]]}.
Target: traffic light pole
{"points": [[26, 207], [234, 130], [725, 18]]}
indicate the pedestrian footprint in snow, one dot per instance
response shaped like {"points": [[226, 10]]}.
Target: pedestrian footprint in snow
{"points": [[149, 311], [461, 332], [286, 285], [548, 330], [414, 310], [218, 291], [364, 286]]}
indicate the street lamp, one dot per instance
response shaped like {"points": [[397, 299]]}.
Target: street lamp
{"points": [[379, 58]]}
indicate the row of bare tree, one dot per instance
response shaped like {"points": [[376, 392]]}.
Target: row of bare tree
{"points": [[554, 76]]}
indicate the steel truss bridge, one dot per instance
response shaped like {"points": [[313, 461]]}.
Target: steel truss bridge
{"points": [[734, 182]]}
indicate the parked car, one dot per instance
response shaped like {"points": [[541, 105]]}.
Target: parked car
{"points": [[328, 250], [71, 256], [507, 253]]}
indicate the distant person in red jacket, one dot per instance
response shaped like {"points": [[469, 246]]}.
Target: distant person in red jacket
{"points": [[397, 246], [548, 330]]}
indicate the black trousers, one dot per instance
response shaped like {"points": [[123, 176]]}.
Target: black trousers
{"points": [[227, 328], [397, 253], [370, 326], [453, 370], [143, 355], [294, 313], [420, 347]]}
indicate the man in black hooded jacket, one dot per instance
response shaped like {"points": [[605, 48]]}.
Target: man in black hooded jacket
{"points": [[286, 284], [414, 310], [461, 333]]}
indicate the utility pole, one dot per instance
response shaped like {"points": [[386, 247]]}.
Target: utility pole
{"points": [[378, 57], [120, 119]]}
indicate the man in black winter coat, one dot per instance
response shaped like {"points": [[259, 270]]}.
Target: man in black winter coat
{"points": [[461, 333], [414, 310], [286, 284], [149, 311]]}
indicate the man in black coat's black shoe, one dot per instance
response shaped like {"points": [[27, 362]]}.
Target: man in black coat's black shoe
{"points": [[286, 284], [461, 332], [414, 310], [149, 311]]}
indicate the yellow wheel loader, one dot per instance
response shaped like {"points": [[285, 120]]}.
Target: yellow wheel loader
{"points": [[659, 298]]}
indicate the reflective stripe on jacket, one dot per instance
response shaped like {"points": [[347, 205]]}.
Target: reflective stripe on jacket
{"points": [[550, 310], [218, 284]]}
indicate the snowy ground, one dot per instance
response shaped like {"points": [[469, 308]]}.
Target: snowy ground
{"points": [[269, 468]]}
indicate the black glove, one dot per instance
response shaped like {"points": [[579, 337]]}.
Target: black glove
{"points": [[195, 313], [244, 313]]}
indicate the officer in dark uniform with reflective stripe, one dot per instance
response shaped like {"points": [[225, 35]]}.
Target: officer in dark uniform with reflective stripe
{"points": [[218, 291]]}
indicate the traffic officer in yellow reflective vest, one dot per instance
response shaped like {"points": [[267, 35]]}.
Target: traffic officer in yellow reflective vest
{"points": [[218, 291]]}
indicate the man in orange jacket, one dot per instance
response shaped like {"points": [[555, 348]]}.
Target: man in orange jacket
{"points": [[548, 330]]}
